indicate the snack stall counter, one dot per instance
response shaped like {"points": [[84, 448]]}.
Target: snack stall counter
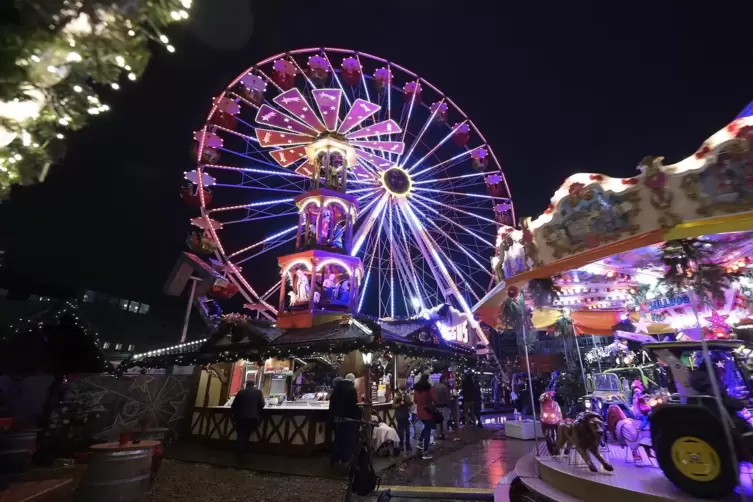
{"points": [[296, 428]]}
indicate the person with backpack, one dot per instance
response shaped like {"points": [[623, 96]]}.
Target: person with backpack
{"points": [[344, 404], [426, 409], [402, 404]]}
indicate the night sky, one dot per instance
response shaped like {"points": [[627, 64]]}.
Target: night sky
{"points": [[556, 88]]}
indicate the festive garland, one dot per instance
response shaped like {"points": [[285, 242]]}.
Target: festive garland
{"points": [[57, 58]]}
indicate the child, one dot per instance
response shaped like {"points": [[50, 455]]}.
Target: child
{"points": [[402, 404]]}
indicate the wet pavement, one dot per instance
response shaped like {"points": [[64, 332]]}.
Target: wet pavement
{"points": [[478, 465]]}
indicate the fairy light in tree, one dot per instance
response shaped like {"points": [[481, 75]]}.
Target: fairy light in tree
{"points": [[56, 69]]}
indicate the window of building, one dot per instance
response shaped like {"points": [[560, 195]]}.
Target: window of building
{"points": [[144, 309], [124, 304], [133, 307], [89, 296]]}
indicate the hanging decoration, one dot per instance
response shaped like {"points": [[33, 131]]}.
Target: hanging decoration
{"points": [[62, 59], [515, 316]]}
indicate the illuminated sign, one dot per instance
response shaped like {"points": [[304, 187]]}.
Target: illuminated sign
{"points": [[457, 333], [668, 301]]}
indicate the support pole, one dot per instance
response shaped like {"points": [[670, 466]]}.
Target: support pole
{"points": [[530, 386], [580, 360], [598, 361], [191, 296]]}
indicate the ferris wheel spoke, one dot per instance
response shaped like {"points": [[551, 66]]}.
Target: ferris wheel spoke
{"points": [[337, 79], [451, 178], [457, 244], [436, 147], [454, 223], [417, 139], [474, 195], [259, 217], [271, 238], [261, 188], [446, 163], [268, 246], [442, 275], [234, 95], [250, 205], [366, 226], [255, 159], [465, 279], [423, 200]]}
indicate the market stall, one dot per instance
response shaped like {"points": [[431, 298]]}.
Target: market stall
{"points": [[663, 256], [296, 422]]}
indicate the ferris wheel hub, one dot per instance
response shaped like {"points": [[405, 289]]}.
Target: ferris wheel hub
{"points": [[397, 181]]}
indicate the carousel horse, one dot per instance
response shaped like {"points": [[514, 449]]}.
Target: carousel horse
{"points": [[584, 434], [623, 430]]}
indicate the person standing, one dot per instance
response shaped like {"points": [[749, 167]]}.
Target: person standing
{"points": [[402, 404], [442, 391], [495, 391], [426, 406], [477, 401], [246, 409], [344, 404], [469, 405]]}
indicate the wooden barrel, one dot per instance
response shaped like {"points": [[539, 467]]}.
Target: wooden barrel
{"points": [[16, 450], [156, 434], [117, 473]]}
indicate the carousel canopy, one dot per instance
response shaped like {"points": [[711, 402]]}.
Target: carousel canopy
{"points": [[604, 240]]}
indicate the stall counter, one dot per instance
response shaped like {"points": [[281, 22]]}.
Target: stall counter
{"points": [[292, 428]]}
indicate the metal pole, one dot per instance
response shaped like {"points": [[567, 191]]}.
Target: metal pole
{"points": [[530, 388], [582, 372], [194, 280], [598, 361]]}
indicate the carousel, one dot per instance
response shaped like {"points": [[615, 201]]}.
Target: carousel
{"points": [[661, 262]]}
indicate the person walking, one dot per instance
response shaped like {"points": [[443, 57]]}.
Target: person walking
{"points": [[477, 401], [402, 404], [246, 409], [442, 391], [426, 408], [344, 404], [469, 395]]}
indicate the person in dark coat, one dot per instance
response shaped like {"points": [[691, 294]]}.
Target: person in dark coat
{"points": [[469, 396], [246, 409], [344, 404]]}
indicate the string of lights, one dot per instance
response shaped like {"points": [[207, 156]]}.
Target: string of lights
{"points": [[69, 54]]}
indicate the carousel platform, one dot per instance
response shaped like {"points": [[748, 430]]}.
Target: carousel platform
{"points": [[566, 479]]}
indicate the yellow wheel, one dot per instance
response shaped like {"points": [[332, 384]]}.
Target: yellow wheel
{"points": [[695, 459]]}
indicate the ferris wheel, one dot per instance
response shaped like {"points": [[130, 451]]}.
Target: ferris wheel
{"points": [[430, 190]]}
